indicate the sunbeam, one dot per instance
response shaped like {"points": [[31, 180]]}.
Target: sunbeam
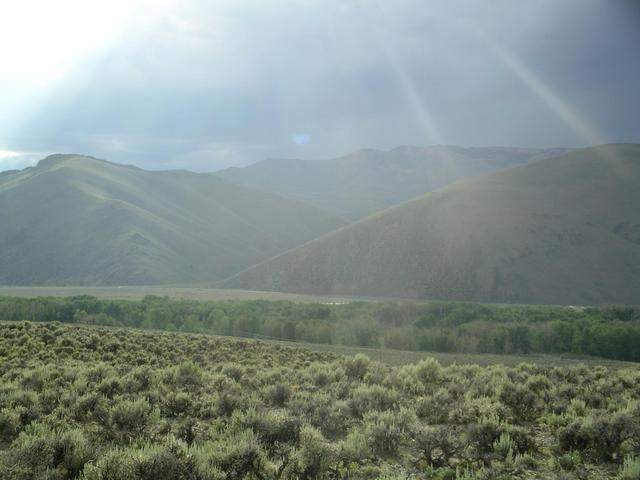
{"points": [[415, 100], [558, 106], [413, 96], [544, 93]]}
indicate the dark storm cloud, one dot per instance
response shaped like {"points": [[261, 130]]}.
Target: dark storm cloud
{"points": [[204, 85]]}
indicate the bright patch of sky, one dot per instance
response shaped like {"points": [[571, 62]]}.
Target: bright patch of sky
{"points": [[301, 139]]}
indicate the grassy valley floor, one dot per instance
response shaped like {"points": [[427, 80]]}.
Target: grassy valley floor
{"points": [[175, 292]]}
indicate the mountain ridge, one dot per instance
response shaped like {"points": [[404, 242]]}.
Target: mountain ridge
{"points": [[537, 233], [74, 219], [367, 180]]}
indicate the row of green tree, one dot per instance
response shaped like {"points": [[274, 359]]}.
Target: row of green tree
{"points": [[609, 332]]}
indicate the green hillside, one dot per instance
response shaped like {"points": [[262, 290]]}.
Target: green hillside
{"points": [[78, 220], [564, 230], [366, 181]]}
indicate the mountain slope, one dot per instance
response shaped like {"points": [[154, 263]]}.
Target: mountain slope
{"points": [[563, 230], [366, 181], [79, 220]]}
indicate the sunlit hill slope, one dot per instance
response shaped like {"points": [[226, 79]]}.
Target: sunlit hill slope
{"points": [[78, 220]]}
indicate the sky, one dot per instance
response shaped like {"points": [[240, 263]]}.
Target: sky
{"points": [[207, 84]]}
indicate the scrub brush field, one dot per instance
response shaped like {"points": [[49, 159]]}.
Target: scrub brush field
{"points": [[116, 403]]}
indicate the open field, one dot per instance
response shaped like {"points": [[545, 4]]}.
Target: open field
{"points": [[405, 357], [397, 358], [176, 292], [121, 403]]}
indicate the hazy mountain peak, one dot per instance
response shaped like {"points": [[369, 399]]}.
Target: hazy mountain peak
{"points": [[77, 160], [368, 180], [58, 158]]}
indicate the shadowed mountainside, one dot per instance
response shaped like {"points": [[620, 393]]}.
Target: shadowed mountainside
{"points": [[562, 230]]}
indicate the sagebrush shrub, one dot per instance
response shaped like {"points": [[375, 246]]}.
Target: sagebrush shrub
{"points": [[388, 431], [130, 418], [630, 468], [357, 366], [203, 408], [503, 445]]}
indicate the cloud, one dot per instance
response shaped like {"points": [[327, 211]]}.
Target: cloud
{"points": [[10, 160], [204, 85]]}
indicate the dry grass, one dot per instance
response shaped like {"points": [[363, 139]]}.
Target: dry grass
{"points": [[177, 292], [403, 357]]}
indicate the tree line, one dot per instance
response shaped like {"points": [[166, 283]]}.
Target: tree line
{"points": [[609, 332]]}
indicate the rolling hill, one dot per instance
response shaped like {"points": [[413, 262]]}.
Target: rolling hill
{"points": [[366, 181], [74, 219], [563, 230]]}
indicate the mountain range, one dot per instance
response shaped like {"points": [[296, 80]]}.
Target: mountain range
{"points": [[561, 230], [78, 220], [368, 180], [520, 226]]}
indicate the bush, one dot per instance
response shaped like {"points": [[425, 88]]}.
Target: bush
{"points": [[172, 461], [9, 424], [356, 367], [129, 419], [188, 375], [278, 395], [436, 445], [522, 402], [39, 450], [482, 435], [388, 431], [569, 461], [420, 378], [177, 404], [503, 446], [239, 456], [371, 397], [116, 464], [91, 406], [314, 457], [272, 427], [434, 409], [354, 448], [600, 438], [630, 469]]}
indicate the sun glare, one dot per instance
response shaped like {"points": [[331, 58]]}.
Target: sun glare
{"points": [[41, 41], [8, 154]]}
